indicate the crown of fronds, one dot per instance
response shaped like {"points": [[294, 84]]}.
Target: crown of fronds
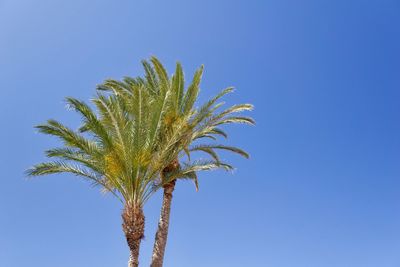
{"points": [[139, 127]]}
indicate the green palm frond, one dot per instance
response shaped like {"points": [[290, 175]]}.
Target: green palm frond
{"points": [[161, 74], [207, 109], [217, 131], [222, 147], [90, 120], [193, 176], [117, 87], [236, 119], [111, 115], [68, 136], [161, 108], [150, 77], [235, 109], [63, 167], [192, 91], [210, 151], [93, 162], [133, 82], [60, 167], [178, 86]]}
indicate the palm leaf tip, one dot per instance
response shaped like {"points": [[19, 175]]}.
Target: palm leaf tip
{"points": [[72, 102], [44, 169], [103, 87], [31, 172], [226, 166], [219, 132]]}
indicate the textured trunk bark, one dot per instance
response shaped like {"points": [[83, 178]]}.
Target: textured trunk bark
{"points": [[133, 226], [163, 224]]}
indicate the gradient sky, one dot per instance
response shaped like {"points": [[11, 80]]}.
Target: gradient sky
{"points": [[323, 185]]}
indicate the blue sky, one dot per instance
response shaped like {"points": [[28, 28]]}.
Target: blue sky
{"points": [[323, 185]]}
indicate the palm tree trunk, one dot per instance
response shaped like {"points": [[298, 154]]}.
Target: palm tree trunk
{"points": [[133, 227], [163, 225]]}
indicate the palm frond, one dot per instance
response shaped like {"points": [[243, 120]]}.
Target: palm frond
{"points": [[60, 167], [207, 150], [151, 77], [178, 84], [161, 73], [192, 91], [117, 87], [70, 138], [90, 120], [222, 147], [236, 119], [207, 110]]}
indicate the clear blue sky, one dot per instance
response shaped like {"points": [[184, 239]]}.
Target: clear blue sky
{"points": [[323, 185]]}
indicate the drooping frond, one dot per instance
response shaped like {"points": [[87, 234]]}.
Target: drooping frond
{"points": [[207, 109], [236, 119], [90, 120], [207, 150], [60, 167], [232, 110], [217, 131], [68, 136], [222, 147], [77, 156], [63, 167]]}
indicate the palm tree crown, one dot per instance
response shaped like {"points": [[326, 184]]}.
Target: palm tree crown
{"points": [[116, 149], [183, 126]]}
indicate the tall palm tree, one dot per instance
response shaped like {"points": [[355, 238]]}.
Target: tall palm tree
{"points": [[117, 148], [183, 129], [202, 123]]}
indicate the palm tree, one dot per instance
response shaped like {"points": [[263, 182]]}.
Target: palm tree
{"points": [[183, 129], [200, 124], [118, 148]]}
